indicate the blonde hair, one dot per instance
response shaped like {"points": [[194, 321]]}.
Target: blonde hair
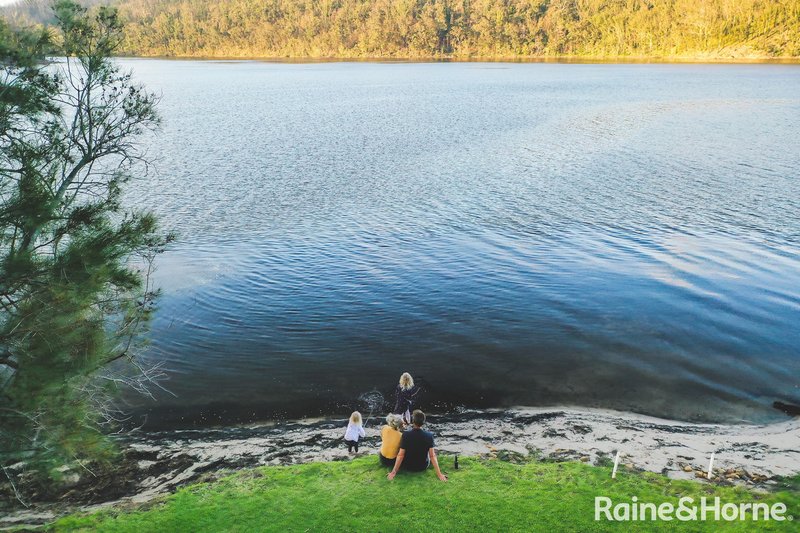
{"points": [[394, 421], [406, 381], [355, 418]]}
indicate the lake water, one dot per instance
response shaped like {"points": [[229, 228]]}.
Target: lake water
{"points": [[621, 236]]}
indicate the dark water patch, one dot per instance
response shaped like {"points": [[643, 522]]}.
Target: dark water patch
{"points": [[620, 236]]}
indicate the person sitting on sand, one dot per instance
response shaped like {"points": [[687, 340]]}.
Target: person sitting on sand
{"points": [[353, 432], [404, 397], [391, 434], [416, 449]]}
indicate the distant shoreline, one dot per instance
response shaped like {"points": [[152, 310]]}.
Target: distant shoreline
{"points": [[572, 60]]}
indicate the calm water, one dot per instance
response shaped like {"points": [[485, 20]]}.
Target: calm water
{"points": [[622, 236]]}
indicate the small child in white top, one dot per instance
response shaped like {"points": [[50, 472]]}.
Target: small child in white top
{"points": [[353, 432]]}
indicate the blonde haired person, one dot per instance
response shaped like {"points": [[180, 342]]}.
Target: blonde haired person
{"points": [[404, 397], [391, 434], [353, 432]]}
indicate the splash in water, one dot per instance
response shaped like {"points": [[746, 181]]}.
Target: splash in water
{"points": [[374, 401]]}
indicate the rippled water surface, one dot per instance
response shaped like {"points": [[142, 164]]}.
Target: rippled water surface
{"points": [[622, 236]]}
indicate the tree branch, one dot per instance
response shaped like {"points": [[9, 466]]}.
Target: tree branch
{"points": [[6, 360]]}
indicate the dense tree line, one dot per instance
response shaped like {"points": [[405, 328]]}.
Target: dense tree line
{"points": [[462, 28]]}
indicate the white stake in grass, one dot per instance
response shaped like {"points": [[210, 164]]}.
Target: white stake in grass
{"points": [[616, 464], [710, 465]]}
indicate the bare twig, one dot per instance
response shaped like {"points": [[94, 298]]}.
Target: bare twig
{"points": [[14, 487]]}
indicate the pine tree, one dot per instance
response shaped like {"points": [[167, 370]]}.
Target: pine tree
{"points": [[75, 291]]}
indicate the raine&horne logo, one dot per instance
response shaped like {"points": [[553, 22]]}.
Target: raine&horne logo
{"points": [[688, 510]]}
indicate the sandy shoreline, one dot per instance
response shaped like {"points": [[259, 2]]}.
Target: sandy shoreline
{"points": [[158, 463]]}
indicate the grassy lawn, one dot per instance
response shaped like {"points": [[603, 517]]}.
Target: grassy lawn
{"points": [[483, 495]]}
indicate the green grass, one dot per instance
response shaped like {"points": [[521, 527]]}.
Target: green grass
{"points": [[484, 495]]}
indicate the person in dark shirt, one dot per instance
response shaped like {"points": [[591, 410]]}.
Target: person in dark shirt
{"points": [[404, 397], [416, 449]]}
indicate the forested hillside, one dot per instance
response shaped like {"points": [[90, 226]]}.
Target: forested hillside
{"points": [[463, 28]]}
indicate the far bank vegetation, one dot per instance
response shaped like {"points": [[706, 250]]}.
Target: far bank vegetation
{"points": [[463, 29]]}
